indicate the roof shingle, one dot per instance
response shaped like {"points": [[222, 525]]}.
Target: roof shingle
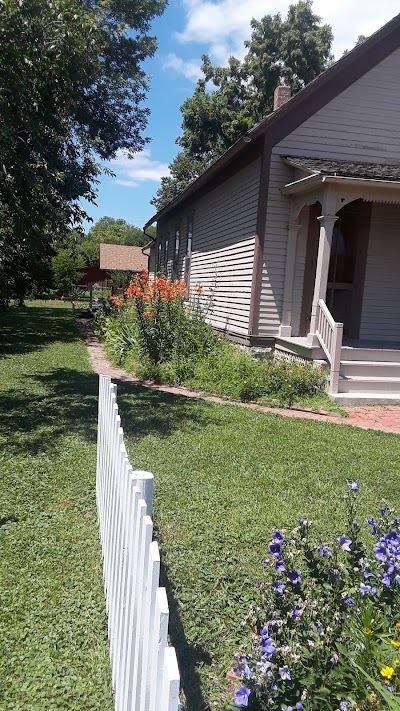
{"points": [[346, 169], [122, 257]]}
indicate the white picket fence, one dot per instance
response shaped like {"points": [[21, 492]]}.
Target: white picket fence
{"points": [[145, 673]]}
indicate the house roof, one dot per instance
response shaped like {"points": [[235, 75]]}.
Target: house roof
{"points": [[346, 169], [301, 106], [122, 257]]}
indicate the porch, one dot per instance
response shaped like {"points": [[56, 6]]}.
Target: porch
{"points": [[344, 228]]}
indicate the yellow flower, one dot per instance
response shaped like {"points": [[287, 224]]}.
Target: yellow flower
{"points": [[367, 630], [398, 625], [395, 643], [387, 672]]}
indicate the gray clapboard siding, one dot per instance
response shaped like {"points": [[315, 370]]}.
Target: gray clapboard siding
{"points": [[380, 317], [362, 123], [275, 244], [152, 262], [224, 227]]}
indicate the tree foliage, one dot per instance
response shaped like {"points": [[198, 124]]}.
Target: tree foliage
{"points": [[71, 94], [290, 51], [66, 270]]}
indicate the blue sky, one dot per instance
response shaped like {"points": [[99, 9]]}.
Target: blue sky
{"points": [[186, 30]]}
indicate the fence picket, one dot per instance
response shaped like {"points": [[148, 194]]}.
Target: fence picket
{"points": [[144, 669]]}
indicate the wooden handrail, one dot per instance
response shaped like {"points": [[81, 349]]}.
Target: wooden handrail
{"points": [[330, 336]]}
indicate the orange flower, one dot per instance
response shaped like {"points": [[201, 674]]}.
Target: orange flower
{"points": [[160, 288], [199, 289], [116, 300]]}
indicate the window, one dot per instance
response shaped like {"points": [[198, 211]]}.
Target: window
{"points": [[159, 257], [176, 252], [189, 240], [166, 248]]}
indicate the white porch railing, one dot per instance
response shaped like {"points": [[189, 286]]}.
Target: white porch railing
{"points": [[330, 336], [144, 669]]}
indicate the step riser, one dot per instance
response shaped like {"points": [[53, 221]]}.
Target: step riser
{"points": [[373, 386], [365, 398], [370, 354], [370, 371]]}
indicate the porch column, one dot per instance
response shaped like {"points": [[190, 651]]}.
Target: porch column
{"points": [[327, 223], [285, 328]]}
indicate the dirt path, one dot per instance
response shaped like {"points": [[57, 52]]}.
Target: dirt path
{"points": [[381, 418]]}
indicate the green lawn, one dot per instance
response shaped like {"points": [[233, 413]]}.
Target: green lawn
{"points": [[53, 643], [224, 476]]}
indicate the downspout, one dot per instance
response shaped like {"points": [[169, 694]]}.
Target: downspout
{"points": [[151, 238]]}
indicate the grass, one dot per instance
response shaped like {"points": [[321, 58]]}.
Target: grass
{"points": [[53, 642], [224, 477]]}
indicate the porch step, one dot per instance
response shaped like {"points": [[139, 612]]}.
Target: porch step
{"points": [[370, 369], [383, 385], [374, 355], [366, 398]]}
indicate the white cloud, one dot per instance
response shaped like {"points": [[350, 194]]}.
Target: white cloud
{"points": [[132, 171], [220, 27], [189, 69]]}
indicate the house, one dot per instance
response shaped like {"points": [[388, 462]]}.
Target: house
{"points": [[295, 231], [121, 257]]}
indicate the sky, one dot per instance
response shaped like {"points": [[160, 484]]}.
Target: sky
{"points": [[186, 30]]}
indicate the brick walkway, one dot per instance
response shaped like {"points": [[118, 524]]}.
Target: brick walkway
{"points": [[381, 418]]}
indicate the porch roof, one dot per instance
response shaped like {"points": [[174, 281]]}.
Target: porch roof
{"points": [[346, 169]]}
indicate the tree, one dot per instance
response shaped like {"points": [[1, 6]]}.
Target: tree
{"points": [[110, 231], [184, 169], [71, 95], [292, 51], [66, 271]]}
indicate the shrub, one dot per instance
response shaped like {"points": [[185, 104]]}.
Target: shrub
{"points": [[326, 620]]}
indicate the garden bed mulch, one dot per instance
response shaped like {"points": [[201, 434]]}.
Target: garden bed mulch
{"points": [[380, 418]]}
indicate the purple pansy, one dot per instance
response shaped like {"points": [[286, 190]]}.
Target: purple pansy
{"points": [[267, 646], [242, 696], [365, 589], [277, 537], [246, 673], [345, 544], [279, 587], [324, 551], [280, 566], [296, 612], [381, 553], [284, 673], [386, 580], [354, 486], [295, 577], [349, 602], [275, 549]]}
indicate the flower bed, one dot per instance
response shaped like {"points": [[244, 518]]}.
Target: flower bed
{"points": [[325, 630], [153, 330]]}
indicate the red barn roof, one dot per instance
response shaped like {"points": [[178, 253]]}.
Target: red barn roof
{"points": [[122, 257]]}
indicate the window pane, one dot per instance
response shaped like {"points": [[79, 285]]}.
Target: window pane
{"points": [[189, 239]]}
